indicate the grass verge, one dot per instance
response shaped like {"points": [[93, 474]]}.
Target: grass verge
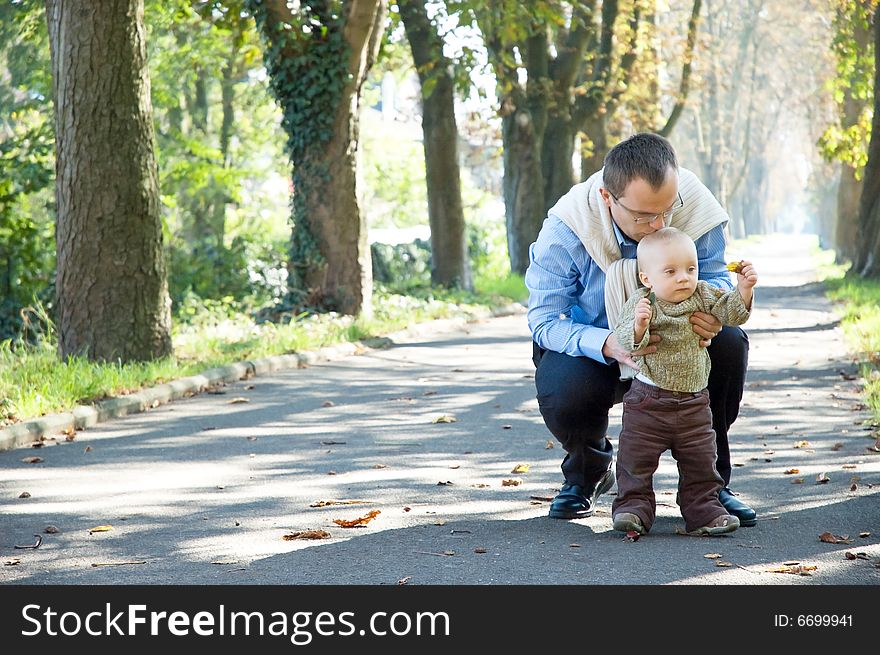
{"points": [[858, 302], [34, 382]]}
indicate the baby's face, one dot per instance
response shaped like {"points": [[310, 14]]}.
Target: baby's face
{"points": [[670, 270]]}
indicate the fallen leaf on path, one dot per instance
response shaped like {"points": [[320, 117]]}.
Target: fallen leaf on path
{"points": [[441, 522], [794, 568], [455, 466], [853, 486], [848, 376], [574, 545], [511, 482], [225, 562], [358, 522], [12, 562], [51, 529], [101, 528], [480, 551], [837, 446], [548, 445], [822, 479], [721, 564], [333, 443], [331, 472], [430, 393], [797, 481], [87, 449], [850, 466], [792, 471], [801, 444], [24, 494], [830, 538], [446, 418], [864, 535], [546, 499], [307, 534], [852, 556], [447, 483], [481, 485], [404, 580], [235, 401], [380, 466], [327, 403], [520, 468], [32, 460], [326, 503], [506, 427], [632, 535], [712, 555], [407, 509]]}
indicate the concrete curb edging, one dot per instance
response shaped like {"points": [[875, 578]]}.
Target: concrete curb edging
{"points": [[35, 431]]}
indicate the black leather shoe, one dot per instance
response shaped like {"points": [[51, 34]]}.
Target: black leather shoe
{"points": [[572, 502], [734, 506]]}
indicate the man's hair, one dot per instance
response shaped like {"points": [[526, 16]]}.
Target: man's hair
{"points": [[664, 235], [645, 155]]}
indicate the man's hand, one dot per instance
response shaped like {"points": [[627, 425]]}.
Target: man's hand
{"points": [[705, 326], [613, 350]]}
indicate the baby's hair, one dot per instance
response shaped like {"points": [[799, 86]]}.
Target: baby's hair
{"points": [[663, 236]]}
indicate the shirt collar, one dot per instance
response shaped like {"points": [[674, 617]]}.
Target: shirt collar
{"points": [[622, 239]]}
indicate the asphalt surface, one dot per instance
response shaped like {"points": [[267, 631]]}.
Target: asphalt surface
{"points": [[204, 490]]}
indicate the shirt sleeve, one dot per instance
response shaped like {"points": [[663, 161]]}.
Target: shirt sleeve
{"points": [[553, 279], [710, 255]]}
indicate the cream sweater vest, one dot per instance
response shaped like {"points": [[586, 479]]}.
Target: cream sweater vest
{"points": [[583, 210]]}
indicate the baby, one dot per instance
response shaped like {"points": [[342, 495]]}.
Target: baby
{"points": [[667, 406]]}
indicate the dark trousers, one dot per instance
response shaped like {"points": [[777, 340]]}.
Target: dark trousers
{"points": [[656, 420], [576, 393]]}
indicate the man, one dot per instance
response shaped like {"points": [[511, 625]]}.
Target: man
{"points": [[582, 269]]}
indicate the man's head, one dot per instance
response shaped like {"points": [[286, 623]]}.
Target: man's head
{"points": [[640, 184], [668, 264]]}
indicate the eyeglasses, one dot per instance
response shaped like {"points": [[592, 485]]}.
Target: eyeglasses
{"points": [[640, 218]]}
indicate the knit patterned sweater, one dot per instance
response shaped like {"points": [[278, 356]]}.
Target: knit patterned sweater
{"points": [[679, 364]]}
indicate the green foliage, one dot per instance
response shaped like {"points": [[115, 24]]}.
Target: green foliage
{"points": [[27, 241], [846, 140], [223, 174]]}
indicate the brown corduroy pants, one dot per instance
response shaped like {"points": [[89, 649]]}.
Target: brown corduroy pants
{"points": [[655, 420]]}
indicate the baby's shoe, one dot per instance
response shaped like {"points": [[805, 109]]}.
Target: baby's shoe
{"points": [[626, 522], [721, 524]]}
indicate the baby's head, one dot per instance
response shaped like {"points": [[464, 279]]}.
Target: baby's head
{"points": [[668, 264]]}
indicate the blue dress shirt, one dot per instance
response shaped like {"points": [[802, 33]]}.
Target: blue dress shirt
{"points": [[567, 288]]}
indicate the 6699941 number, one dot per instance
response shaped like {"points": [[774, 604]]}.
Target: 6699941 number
{"points": [[813, 620]]}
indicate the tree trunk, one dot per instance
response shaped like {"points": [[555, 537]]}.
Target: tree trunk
{"points": [[557, 151], [329, 262], [449, 261], [111, 281], [848, 194], [523, 186], [593, 159], [867, 263]]}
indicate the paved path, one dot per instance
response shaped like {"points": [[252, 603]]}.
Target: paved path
{"points": [[202, 491]]}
